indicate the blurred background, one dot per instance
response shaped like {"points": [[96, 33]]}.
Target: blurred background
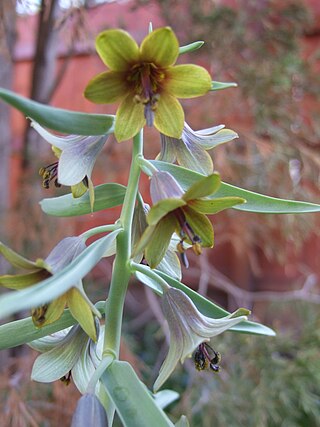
{"points": [[267, 263]]}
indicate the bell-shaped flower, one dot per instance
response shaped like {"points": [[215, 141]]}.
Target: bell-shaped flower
{"points": [[75, 298], [190, 150], [68, 354], [89, 412], [182, 212], [188, 329], [77, 155], [145, 81], [170, 263]]}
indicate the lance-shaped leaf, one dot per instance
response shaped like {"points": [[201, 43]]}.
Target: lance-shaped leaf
{"points": [[58, 284], [255, 202], [135, 405], [58, 119], [105, 196]]}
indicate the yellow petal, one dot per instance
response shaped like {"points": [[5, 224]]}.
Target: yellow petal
{"points": [[129, 119], [187, 81], [117, 49], [160, 47], [49, 313], [169, 116], [106, 88], [81, 311]]}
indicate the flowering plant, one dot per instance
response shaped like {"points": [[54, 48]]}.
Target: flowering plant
{"points": [[78, 339]]}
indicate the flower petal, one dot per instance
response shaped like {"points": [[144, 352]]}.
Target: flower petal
{"points": [[169, 116], [164, 186], [187, 81], [193, 157], [15, 259], [162, 208], [117, 49], [129, 119], [107, 87], [160, 47], [213, 206], [158, 244], [81, 311], [46, 315], [167, 153], [204, 187], [207, 141], [200, 225], [21, 281], [65, 252], [77, 160]]}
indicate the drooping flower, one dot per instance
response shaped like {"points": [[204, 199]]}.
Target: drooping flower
{"points": [[68, 354], [77, 155], [89, 412], [75, 298], [145, 81], [188, 329], [190, 150], [182, 212]]}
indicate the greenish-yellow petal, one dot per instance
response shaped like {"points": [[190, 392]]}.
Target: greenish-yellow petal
{"points": [[158, 245], [81, 311], [169, 116], [162, 208], [129, 119], [203, 188], [21, 281], [107, 87], [212, 206], [15, 259], [49, 313], [78, 190], [117, 49], [187, 81], [200, 225], [160, 47]]}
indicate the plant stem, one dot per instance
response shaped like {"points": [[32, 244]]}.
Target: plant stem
{"points": [[121, 268]]}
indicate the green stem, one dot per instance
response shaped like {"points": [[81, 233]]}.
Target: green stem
{"points": [[100, 229], [163, 285], [121, 268]]}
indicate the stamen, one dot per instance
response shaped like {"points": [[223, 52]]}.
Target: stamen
{"points": [[39, 314], [206, 357], [48, 174], [66, 379], [187, 232], [182, 253]]}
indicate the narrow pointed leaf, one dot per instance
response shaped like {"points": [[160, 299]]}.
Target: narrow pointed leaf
{"points": [[65, 121], [221, 85], [58, 284], [256, 202], [106, 196], [191, 47], [135, 405]]}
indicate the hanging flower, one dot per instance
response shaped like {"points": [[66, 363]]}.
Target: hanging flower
{"points": [[145, 81], [77, 155], [182, 212], [188, 329], [190, 150], [68, 354], [79, 304]]}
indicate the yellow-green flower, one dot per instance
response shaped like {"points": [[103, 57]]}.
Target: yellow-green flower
{"points": [[182, 212], [75, 298], [145, 81]]}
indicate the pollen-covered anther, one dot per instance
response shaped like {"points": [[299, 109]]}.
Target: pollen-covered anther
{"points": [[206, 357], [48, 174], [39, 314]]}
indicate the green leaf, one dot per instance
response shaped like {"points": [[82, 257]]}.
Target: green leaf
{"points": [[105, 196], [256, 202], [58, 119], [23, 331], [59, 283], [135, 405], [207, 307], [165, 397], [191, 47], [221, 85]]}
